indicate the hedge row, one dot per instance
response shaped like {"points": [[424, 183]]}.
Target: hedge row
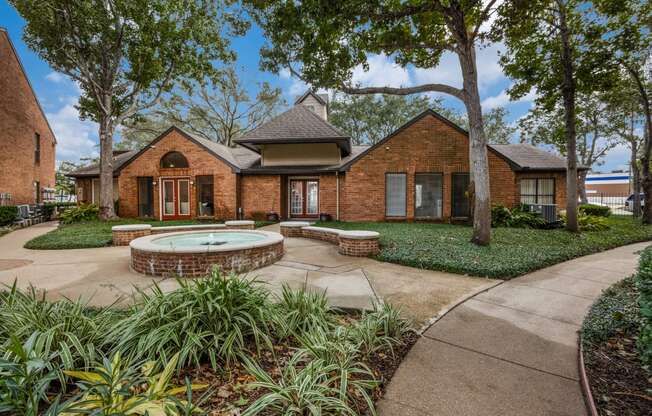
{"points": [[8, 214], [595, 210], [644, 284]]}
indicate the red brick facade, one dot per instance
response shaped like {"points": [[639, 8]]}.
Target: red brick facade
{"points": [[426, 145], [200, 162], [22, 123]]}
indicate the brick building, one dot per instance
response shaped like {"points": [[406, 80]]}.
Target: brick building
{"points": [[27, 143], [299, 166]]}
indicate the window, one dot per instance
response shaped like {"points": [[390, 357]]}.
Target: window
{"points": [[428, 195], [395, 194], [174, 160], [204, 196], [538, 191], [145, 196], [37, 192], [37, 148]]}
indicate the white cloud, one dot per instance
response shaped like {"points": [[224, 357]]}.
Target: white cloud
{"points": [[447, 72], [502, 100], [489, 70], [75, 138], [383, 72], [615, 159], [55, 77]]}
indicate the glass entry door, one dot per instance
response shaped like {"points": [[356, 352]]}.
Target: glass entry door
{"points": [[461, 206], [304, 198], [176, 198]]}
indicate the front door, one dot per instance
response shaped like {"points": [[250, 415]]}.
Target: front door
{"points": [[304, 198], [176, 198]]}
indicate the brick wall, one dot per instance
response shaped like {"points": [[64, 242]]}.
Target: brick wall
{"points": [[200, 162], [427, 145], [260, 193], [20, 119]]}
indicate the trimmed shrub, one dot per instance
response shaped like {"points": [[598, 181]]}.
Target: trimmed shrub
{"points": [[8, 214], [644, 286], [591, 222], [82, 213], [595, 210], [517, 217]]}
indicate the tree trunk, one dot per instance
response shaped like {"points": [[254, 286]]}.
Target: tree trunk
{"points": [[568, 93], [106, 169], [479, 184], [581, 185], [636, 180], [646, 180]]}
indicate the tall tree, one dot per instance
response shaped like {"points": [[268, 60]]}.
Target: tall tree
{"points": [[220, 110], [496, 126], [627, 25], [547, 49], [369, 118], [626, 119], [65, 185], [323, 41], [595, 136], [125, 54]]}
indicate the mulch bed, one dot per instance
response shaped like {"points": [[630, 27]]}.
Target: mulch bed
{"points": [[228, 393], [619, 385]]}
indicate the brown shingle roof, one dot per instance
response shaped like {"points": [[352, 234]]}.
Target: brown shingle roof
{"points": [[297, 125], [528, 157], [94, 169]]}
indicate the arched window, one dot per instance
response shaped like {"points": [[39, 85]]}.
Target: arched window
{"points": [[174, 160]]}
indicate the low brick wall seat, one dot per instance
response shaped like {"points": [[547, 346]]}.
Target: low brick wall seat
{"points": [[293, 228], [123, 234], [359, 243], [240, 225], [189, 227], [350, 243]]}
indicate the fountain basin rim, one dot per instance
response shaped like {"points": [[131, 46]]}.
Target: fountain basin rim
{"points": [[146, 243]]}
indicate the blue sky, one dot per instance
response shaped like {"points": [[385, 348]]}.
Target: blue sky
{"points": [[78, 138]]}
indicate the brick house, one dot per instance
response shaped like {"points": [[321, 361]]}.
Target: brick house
{"points": [[27, 143], [298, 166]]}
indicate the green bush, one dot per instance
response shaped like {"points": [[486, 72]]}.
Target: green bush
{"points": [[82, 213], [517, 217], [300, 312], [8, 214], [596, 210], [644, 286], [591, 223], [216, 318], [49, 207]]}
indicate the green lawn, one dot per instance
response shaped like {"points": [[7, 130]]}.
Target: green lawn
{"points": [[94, 234], [513, 251]]}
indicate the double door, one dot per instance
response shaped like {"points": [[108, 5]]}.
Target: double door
{"points": [[304, 198], [175, 194]]}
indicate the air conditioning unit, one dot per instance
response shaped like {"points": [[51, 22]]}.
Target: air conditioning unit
{"points": [[547, 211]]}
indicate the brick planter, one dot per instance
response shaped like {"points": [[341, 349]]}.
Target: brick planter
{"points": [[321, 233], [195, 227], [293, 228], [359, 243], [156, 260], [123, 234]]}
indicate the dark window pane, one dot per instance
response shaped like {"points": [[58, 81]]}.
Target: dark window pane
{"points": [[174, 160], [204, 185], [145, 197], [395, 194], [428, 195], [461, 206]]}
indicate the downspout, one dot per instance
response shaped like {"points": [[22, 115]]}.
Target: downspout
{"points": [[337, 195], [160, 199]]}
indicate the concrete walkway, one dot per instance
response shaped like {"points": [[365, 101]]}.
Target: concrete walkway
{"points": [[103, 275], [511, 350]]}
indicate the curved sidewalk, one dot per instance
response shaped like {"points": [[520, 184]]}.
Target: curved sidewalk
{"points": [[511, 350]]}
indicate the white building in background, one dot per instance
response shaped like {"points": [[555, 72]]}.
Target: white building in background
{"points": [[617, 183]]}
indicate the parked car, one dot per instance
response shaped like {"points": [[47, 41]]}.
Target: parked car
{"points": [[629, 202]]}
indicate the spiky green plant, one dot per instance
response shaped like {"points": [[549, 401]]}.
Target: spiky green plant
{"points": [[300, 391], [26, 372], [117, 387], [381, 329], [300, 312], [334, 349], [71, 327], [217, 317]]}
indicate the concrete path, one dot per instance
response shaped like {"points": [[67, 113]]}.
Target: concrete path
{"points": [[511, 350], [103, 275]]}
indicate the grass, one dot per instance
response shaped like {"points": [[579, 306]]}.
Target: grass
{"points": [[513, 251], [94, 234]]}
